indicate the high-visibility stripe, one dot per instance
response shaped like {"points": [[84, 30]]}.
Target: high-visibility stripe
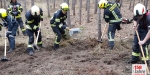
{"points": [[57, 20], [113, 7], [39, 43], [28, 27], [30, 21], [135, 54], [60, 25], [56, 40], [35, 27], [29, 45], [106, 16], [53, 25], [9, 31], [11, 36], [111, 21], [115, 15], [23, 29], [146, 56], [110, 38]]}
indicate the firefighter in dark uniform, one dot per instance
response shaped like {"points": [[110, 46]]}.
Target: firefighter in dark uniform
{"points": [[141, 22], [12, 27], [58, 23], [33, 18], [15, 9], [113, 17]]}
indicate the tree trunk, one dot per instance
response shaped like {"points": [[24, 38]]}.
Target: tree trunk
{"points": [[68, 16], [48, 8], [54, 4], [5, 4], [133, 4], [88, 11], [130, 5], [86, 5], [80, 11], [32, 2], [96, 3], [73, 6], [99, 24], [25, 9], [1, 4]]}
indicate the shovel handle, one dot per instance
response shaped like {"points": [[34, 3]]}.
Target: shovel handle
{"points": [[38, 34], [142, 52], [5, 44]]}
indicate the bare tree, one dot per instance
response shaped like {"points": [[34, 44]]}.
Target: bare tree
{"points": [[68, 16], [130, 5], [99, 24], [48, 8], [1, 3], [32, 2], [54, 4], [133, 4], [73, 6], [96, 3], [86, 5], [25, 9], [80, 11], [5, 4], [88, 11], [146, 3]]}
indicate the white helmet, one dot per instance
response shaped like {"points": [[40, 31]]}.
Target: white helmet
{"points": [[139, 9], [35, 10]]}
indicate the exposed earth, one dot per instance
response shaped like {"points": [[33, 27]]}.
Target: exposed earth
{"points": [[81, 55]]}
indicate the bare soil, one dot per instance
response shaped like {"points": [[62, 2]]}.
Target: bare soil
{"points": [[81, 55]]}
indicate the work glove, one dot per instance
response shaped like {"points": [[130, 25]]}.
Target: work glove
{"points": [[67, 28], [5, 24], [37, 29]]}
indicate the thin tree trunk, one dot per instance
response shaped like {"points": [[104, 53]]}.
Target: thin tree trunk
{"points": [[130, 5], [68, 16], [48, 8], [73, 6], [133, 4], [99, 24], [1, 4], [96, 3], [5, 4], [80, 11], [88, 11], [25, 9], [54, 4], [86, 5], [32, 2]]}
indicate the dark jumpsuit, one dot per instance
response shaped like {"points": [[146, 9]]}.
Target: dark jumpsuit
{"points": [[15, 10], [112, 16], [58, 24], [32, 26]]}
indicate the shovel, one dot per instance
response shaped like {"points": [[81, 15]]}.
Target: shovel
{"points": [[5, 58], [142, 52], [35, 45]]}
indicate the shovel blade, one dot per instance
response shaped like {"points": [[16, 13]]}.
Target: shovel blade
{"points": [[5, 59], [35, 48]]}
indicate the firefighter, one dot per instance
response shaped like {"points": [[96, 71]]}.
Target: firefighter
{"points": [[113, 17], [11, 25], [33, 18], [141, 22], [58, 24], [15, 9]]}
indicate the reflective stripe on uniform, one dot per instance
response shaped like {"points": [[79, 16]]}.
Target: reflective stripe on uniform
{"points": [[35, 27], [9, 31], [146, 56], [52, 25], [113, 7], [11, 36], [111, 21], [30, 21], [110, 38], [115, 15], [106, 16], [56, 40], [23, 29], [135, 54], [30, 45], [39, 43], [57, 20], [28, 27]]}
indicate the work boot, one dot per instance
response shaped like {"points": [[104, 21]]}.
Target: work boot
{"points": [[134, 60], [31, 53], [111, 48], [10, 50], [56, 46]]}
